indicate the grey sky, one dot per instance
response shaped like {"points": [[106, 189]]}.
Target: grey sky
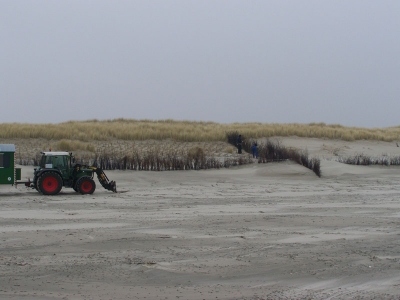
{"points": [[225, 61]]}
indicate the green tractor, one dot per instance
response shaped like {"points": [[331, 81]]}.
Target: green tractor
{"points": [[57, 169]]}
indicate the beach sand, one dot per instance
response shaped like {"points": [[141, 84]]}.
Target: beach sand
{"points": [[259, 231]]}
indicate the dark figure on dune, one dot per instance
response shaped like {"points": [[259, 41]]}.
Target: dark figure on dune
{"points": [[239, 144], [254, 150]]}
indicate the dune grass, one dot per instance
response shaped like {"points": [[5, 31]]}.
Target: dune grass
{"points": [[72, 145], [187, 131]]}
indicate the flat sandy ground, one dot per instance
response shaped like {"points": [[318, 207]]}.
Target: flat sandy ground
{"points": [[261, 231]]}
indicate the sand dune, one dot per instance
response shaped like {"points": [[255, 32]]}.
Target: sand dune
{"points": [[260, 231]]}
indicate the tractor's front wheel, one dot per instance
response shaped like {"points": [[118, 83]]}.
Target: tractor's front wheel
{"points": [[85, 185], [49, 183]]}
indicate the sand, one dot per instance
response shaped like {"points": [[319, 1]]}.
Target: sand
{"points": [[260, 231]]}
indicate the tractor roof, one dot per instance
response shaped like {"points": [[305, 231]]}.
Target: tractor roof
{"points": [[59, 153]]}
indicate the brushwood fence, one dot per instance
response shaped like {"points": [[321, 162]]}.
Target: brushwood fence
{"points": [[155, 161], [365, 160], [171, 162], [274, 151]]}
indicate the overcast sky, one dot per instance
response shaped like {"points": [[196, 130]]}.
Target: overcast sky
{"points": [[228, 61]]}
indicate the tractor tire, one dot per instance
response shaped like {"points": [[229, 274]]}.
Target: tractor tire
{"points": [[49, 183], [37, 187], [85, 185]]}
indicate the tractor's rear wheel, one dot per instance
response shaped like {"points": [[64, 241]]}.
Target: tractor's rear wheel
{"points": [[49, 183], [37, 185], [85, 185]]}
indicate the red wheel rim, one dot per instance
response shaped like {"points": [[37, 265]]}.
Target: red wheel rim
{"points": [[86, 186], [50, 184]]}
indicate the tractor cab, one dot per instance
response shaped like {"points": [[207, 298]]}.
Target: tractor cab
{"points": [[56, 160], [59, 160]]}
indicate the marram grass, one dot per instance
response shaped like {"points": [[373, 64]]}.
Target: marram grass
{"points": [[186, 131]]}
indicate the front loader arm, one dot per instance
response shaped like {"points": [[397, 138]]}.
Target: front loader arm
{"points": [[103, 179]]}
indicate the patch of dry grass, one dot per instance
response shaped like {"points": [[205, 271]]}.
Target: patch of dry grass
{"points": [[186, 131], [69, 145]]}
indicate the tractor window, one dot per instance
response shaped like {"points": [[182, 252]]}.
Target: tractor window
{"points": [[43, 161], [49, 161], [59, 162], [1, 160]]}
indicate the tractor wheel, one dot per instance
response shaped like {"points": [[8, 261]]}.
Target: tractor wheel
{"points": [[50, 183], [85, 185], [37, 187]]}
